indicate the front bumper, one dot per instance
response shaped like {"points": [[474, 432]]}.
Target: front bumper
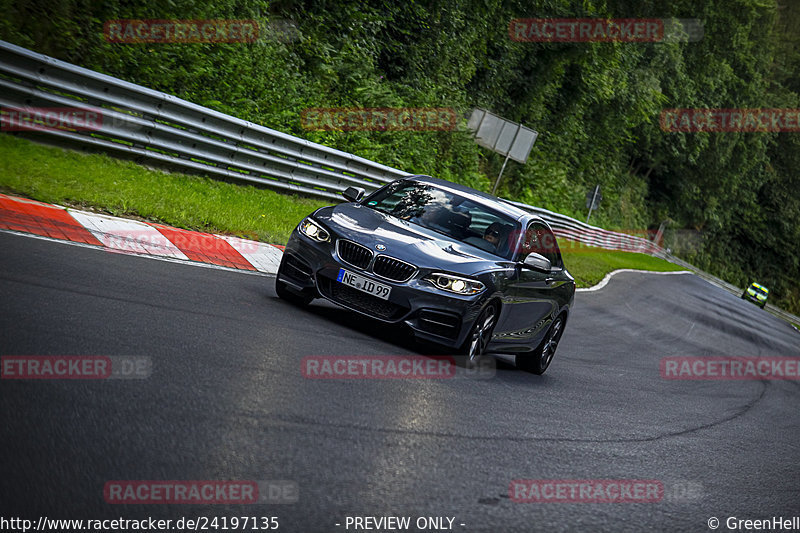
{"points": [[755, 298], [433, 315]]}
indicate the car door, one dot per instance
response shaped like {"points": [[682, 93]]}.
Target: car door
{"points": [[535, 295]]}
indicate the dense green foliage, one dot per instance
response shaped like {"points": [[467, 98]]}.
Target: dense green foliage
{"points": [[596, 105]]}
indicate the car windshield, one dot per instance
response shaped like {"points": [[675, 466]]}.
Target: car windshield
{"points": [[448, 213]]}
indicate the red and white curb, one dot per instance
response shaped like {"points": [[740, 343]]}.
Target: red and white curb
{"points": [[121, 235]]}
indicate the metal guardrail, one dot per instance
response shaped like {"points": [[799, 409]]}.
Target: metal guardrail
{"points": [[151, 126], [160, 128], [578, 231], [155, 127]]}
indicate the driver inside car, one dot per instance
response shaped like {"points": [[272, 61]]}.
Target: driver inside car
{"points": [[492, 234]]}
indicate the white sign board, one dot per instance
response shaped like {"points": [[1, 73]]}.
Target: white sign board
{"points": [[503, 136]]}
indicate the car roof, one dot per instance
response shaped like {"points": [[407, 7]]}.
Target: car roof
{"points": [[479, 197]]}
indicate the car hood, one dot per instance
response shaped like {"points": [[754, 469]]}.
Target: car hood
{"points": [[405, 240]]}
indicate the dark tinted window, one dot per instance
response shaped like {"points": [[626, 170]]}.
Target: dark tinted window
{"points": [[760, 290], [539, 239], [448, 213]]}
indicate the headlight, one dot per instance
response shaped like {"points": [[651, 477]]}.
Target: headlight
{"points": [[450, 283], [312, 230]]}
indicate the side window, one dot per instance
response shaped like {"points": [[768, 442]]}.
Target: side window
{"points": [[540, 240]]}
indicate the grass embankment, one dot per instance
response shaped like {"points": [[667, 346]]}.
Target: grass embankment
{"points": [[590, 265], [126, 189]]}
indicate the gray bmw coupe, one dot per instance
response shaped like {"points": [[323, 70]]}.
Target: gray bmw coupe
{"points": [[461, 268]]}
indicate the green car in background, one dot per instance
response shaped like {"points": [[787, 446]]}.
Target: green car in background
{"points": [[756, 293]]}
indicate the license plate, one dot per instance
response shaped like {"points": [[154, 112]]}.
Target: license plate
{"points": [[364, 284]]}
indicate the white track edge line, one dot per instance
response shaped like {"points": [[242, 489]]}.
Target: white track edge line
{"points": [[146, 256], [608, 277]]}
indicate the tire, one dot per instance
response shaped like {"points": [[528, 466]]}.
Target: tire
{"points": [[744, 295], [538, 361], [284, 293], [480, 334]]}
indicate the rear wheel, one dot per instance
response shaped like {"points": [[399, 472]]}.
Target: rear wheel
{"points": [[540, 359]]}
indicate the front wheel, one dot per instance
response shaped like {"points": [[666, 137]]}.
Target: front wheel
{"points": [[479, 336], [540, 359], [285, 293]]}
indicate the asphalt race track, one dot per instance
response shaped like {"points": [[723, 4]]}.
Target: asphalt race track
{"points": [[226, 400]]}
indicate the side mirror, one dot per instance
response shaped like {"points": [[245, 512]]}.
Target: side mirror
{"points": [[537, 262], [353, 194]]}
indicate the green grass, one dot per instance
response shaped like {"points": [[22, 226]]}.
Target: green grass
{"points": [[126, 189], [590, 265], [129, 190]]}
